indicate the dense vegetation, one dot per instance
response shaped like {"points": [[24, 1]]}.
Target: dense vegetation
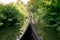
{"points": [[10, 16], [11, 20], [46, 16]]}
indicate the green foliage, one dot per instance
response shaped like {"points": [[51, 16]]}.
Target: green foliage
{"points": [[53, 15], [10, 16], [47, 18], [11, 20]]}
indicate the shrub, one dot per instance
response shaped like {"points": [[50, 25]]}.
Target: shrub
{"points": [[10, 16]]}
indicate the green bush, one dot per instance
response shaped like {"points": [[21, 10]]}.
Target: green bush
{"points": [[10, 16]]}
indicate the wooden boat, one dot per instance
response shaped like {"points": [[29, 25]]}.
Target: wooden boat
{"points": [[30, 33]]}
